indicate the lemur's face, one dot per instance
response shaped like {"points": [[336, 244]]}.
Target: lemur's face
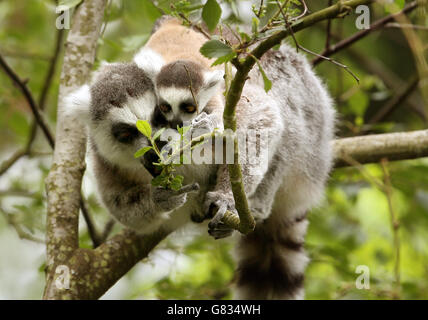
{"points": [[120, 95], [184, 89]]}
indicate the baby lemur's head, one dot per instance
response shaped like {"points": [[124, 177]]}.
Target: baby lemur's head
{"points": [[184, 89], [119, 95]]}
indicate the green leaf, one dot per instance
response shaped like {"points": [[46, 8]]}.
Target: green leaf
{"points": [[144, 127], [182, 131], [158, 133], [160, 180], [266, 81], [68, 4], [215, 49], [177, 183], [142, 152], [211, 14], [400, 3], [255, 25], [224, 59]]}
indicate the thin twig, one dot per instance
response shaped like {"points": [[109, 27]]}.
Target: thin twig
{"points": [[260, 9], [107, 229], [298, 46], [363, 33], [42, 101], [29, 97], [93, 233], [22, 234], [354, 163], [395, 224], [405, 25], [194, 25], [23, 55], [395, 102], [191, 87], [42, 123], [328, 30], [17, 193], [7, 164], [51, 71], [305, 11]]}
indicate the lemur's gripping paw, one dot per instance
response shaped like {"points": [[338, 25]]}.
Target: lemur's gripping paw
{"points": [[202, 124], [222, 203], [169, 200]]}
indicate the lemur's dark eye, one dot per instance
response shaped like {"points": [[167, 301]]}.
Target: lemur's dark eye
{"points": [[124, 133], [165, 107], [188, 107], [115, 103]]}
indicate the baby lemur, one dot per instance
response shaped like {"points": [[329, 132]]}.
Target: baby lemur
{"points": [[168, 83]]}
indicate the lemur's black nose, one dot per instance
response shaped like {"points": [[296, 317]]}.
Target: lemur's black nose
{"points": [[147, 161], [176, 122]]}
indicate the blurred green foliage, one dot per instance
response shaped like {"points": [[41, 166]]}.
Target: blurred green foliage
{"points": [[352, 227]]}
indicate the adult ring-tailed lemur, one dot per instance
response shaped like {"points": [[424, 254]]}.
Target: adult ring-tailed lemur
{"points": [[296, 113]]}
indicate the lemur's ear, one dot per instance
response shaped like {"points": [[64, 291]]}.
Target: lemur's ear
{"points": [[77, 104], [212, 82], [150, 61], [213, 79]]}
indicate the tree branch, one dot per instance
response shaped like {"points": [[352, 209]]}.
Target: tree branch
{"points": [[373, 148], [29, 97], [41, 103], [92, 271], [64, 181]]}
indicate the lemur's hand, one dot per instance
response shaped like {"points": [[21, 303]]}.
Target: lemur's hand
{"points": [[169, 200], [203, 123], [221, 202]]}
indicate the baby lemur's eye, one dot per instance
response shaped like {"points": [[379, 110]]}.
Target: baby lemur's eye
{"points": [[165, 107], [188, 107], [124, 132]]}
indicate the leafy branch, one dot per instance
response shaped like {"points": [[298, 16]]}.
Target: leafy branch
{"points": [[171, 157]]}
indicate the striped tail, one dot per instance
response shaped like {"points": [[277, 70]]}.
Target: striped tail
{"points": [[272, 260]]}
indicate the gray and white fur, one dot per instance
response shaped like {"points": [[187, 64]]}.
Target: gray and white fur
{"points": [[119, 95], [299, 117]]}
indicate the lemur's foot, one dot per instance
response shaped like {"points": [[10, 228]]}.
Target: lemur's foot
{"points": [[224, 204], [169, 200]]}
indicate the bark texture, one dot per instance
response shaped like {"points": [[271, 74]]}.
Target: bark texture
{"points": [[373, 148]]}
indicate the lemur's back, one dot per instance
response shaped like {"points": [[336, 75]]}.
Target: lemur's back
{"points": [[173, 41], [272, 258]]}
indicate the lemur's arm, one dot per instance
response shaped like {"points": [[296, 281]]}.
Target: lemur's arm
{"points": [[139, 206], [259, 130]]}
